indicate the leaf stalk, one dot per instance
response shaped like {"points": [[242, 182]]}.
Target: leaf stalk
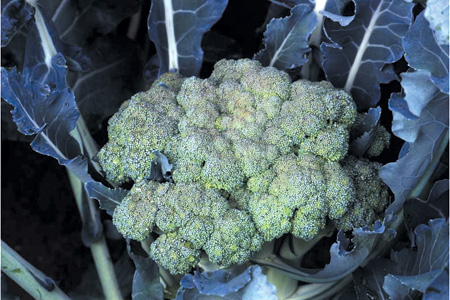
{"points": [[33, 281]]}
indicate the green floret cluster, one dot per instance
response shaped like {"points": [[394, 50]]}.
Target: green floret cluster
{"points": [[143, 124], [254, 157], [192, 218]]}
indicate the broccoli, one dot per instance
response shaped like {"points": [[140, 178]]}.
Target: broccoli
{"points": [[254, 157], [371, 194]]}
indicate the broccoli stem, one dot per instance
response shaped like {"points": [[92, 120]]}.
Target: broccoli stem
{"points": [[99, 248], [105, 269], [37, 284]]}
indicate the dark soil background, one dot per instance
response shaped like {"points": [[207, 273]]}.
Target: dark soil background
{"points": [[40, 219]]}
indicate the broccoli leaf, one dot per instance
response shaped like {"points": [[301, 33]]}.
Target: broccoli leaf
{"points": [[427, 137], [343, 261], [438, 289], [436, 13], [160, 169], [369, 280], [15, 14], [417, 211], [423, 52], [43, 105], [333, 11], [113, 77], [358, 52], [177, 27], [78, 20], [363, 135], [286, 39], [146, 281], [108, 198], [227, 284], [418, 269]]}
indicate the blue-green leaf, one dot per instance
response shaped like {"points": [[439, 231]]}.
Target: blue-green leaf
{"points": [[108, 198], [438, 289], [417, 270], [363, 135], [427, 137], [422, 52], [146, 281], [228, 284], [44, 106], [343, 261], [417, 211], [359, 51], [286, 39], [177, 27], [15, 14]]}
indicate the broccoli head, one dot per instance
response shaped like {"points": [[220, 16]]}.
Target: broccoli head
{"points": [[254, 157]]}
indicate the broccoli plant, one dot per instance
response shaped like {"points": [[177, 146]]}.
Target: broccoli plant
{"points": [[310, 165]]}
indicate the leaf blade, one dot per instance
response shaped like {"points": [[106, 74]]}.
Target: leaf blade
{"points": [[359, 51], [286, 39]]}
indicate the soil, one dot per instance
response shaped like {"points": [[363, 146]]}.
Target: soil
{"points": [[39, 217]]}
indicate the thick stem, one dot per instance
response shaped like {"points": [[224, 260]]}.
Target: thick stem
{"points": [[99, 250], [28, 277], [105, 269]]}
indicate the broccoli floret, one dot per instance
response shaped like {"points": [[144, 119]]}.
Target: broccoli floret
{"points": [[254, 157], [135, 216], [234, 239], [174, 253], [371, 196], [146, 122], [304, 191]]}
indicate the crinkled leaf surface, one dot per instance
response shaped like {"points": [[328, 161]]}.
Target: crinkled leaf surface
{"points": [[363, 135], [358, 52], [426, 136], [286, 39], [419, 269], [107, 197], [43, 105], [146, 281], [177, 27], [422, 52], [15, 14], [436, 12], [417, 211], [227, 284]]}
